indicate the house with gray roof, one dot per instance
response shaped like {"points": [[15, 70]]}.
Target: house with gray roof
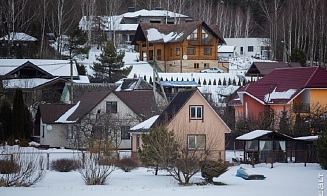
{"points": [[94, 112], [123, 27]]}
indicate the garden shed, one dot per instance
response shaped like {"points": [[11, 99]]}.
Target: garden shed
{"points": [[305, 150], [259, 145]]}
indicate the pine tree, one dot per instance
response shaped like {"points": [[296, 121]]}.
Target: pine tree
{"points": [[209, 83], [150, 80], [234, 82], [219, 82], [214, 82], [239, 83], [28, 123], [18, 115], [224, 82], [76, 44], [204, 82], [110, 65]]}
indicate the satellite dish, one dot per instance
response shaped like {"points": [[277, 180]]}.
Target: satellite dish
{"points": [[184, 57], [49, 127]]}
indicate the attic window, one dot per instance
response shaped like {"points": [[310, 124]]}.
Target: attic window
{"points": [[193, 36], [196, 112], [111, 107]]}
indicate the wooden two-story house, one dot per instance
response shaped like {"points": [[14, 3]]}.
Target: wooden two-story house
{"points": [[294, 90], [187, 47]]}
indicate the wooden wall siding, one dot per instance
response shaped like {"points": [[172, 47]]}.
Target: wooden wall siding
{"points": [[168, 50], [187, 65]]}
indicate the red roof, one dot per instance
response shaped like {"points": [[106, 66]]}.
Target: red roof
{"points": [[284, 84]]}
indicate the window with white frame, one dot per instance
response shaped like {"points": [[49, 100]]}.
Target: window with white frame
{"points": [[196, 142], [196, 112]]}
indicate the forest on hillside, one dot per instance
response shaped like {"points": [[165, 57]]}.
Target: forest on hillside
{"points": [[292, 25]]}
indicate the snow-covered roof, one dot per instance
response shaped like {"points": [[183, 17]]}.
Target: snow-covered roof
{"points": [[145, 124], [110, 23], [25, 83], [154, 35], [53, 67], [82, 79], [153, 13], [179, 84], [279, 95], [307, 138], [66, 115], [253, 135], [226, 49], [19, 36]]}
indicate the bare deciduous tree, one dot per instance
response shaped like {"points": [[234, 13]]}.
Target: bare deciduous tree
{"points": [[30, 166]]}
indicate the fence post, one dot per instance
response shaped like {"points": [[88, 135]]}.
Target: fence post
{"points": [[48, 161]]}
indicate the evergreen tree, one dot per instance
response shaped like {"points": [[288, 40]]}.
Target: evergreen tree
{"points": [[219, 82], [224, 82], [81, 69], [6, 119], [298, 56], [239, 83], [28, 123], [18, 115], [110, 65], [150, 80], [204, 82], [159, 148], [214, 82], [234, 82], [76, 44], [284, 124]]}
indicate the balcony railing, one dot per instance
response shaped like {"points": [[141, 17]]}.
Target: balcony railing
{"points": [[194, 42], [301, 108]]}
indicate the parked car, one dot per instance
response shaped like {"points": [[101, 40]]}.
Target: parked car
{"points": [[212, 70]]}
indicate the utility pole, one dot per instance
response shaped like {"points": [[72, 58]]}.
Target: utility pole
{"points": [[71, 97]]}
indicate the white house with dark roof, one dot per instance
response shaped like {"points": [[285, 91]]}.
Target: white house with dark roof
{"points": [[123, 27]]}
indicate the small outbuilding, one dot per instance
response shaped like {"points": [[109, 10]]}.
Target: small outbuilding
{"points": [[260, 145], [305, 150]]}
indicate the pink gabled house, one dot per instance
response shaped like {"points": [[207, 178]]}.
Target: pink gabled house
{"points": [[296, 90], [194, 123]]}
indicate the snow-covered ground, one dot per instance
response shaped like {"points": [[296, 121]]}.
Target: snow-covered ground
{"points": [[292, 179]]}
